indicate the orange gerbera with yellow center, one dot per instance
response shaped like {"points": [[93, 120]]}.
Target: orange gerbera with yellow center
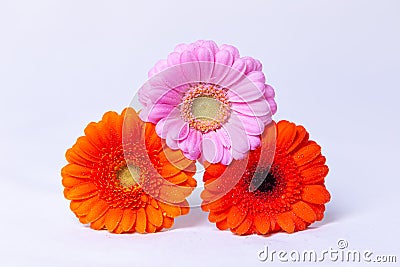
{"points": [[288, 196], [122, 178]]}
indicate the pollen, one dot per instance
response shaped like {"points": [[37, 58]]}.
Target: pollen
{"points": [[129, 176], [205, 107]]}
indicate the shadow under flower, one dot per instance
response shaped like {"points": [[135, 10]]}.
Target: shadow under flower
{"points": [[195, 217]]}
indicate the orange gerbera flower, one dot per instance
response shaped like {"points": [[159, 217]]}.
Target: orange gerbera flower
{"points": [[288, 197], [121, 177]]}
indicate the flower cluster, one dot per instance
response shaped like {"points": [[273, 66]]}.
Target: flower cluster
{"points": [[133, 171]]}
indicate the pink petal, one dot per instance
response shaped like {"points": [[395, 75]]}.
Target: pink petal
{"points": [[177, 130], [258, 65], [252, 125], [204, 54], [173, 59], [206, 62], [231, 49], [212, 148], [160, 95], [223, 62], [168, 121], [223, 57], [239, 65], [224, 137], [269, 91], [244, 91], [256, 76], [184, 132], [266, 119], [227, 156], [159, 66], [254, 141], [190, 67], [237, 135], [193, 142], [257, 108], [171, 143], [250, 64], [181, 47], [235, 74], [174, 77], [154, 113], [160, 126], [272, 105]]}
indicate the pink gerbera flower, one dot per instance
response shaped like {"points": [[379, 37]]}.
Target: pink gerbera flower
{"points": [[208, 101]]}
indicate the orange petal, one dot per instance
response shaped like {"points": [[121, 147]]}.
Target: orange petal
{"points": [[217, 205], [170, 210], [316, 194], [235, 216], [168, 171], [304, 211], [75, 204], [76, 156], [83, 220], [154, 215], [168, 222], [110, 119], [83, 150], [141, 221], [150, 228], [299, 223], [307, 153], [319, 210], [99, 223], [154, 203], [113, 217], [286, 132], [87, 147], [207, 195], [215, 170], [315, 174], [128, 220], [118, 229], [87, 204], [285, 222], [261, 222], [81, 191], [133, 129], [222, 225], [301, 137], [92, 133], [318, 161], [76, 171], [179, 178], [244, 227], [174, 193], [68, 181], [217, 216], [190, 182], [153, 141], [184, 207], [174, 157], [273, 226], [97, 210]]}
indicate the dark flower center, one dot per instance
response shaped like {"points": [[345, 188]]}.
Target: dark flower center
{"points": [[264, 182]]}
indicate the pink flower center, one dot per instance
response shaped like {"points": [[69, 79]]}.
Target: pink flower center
{"points": [[205, 107]]}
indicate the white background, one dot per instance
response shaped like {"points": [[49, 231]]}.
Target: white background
{"points": [[335, 68]]}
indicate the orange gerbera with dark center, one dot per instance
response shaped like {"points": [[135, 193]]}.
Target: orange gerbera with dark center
{"points": [[288, 197], [121, 177]]}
